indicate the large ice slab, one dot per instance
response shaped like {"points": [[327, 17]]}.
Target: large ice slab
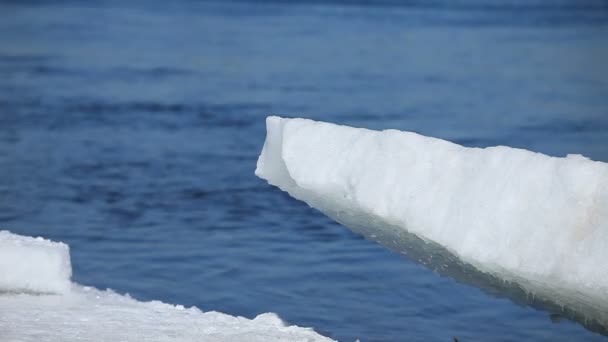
{"points": [[38, 303], [33, 264], [531, 219]]}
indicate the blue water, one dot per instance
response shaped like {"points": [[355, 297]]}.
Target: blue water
{"points": [[131, 132]]}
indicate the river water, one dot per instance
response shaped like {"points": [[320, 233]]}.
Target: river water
{"points": [[131, 132]]}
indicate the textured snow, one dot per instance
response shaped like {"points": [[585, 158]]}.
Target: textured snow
{"points": [[532, 219], [87, 314], [79, 313], [33, 264]]}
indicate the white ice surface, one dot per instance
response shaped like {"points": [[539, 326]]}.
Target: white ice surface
{"points": [[87, 314], [79, 313], [33, 264], [525, 217]]}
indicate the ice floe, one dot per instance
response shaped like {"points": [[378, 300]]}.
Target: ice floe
{"points": [[39, 303], [525, 218]]}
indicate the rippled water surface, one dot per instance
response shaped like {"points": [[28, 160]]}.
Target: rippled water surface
{"points": [[131, 132]]}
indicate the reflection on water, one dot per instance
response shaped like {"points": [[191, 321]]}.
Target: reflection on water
{"points": [[131, 132]]}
